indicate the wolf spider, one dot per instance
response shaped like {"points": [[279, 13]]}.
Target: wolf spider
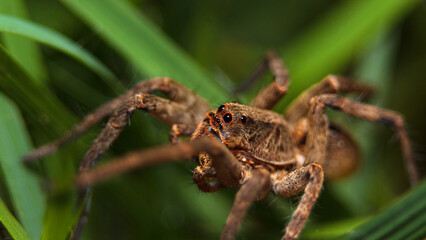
{"points": [[242, 146]]}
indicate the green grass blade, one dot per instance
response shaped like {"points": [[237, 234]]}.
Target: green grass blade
{"points": [[333, 230], [336, 38], [25, 51], [31, 98], [22, 185], [40, 107], [11, 224], [145, 46], [59, 218], [53, 39], [403, 220]]}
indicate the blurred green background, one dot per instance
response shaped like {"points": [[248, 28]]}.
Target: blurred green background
{"points": [[211, 47]]}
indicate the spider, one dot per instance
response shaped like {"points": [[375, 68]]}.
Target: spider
{"points": [[238, 145]]}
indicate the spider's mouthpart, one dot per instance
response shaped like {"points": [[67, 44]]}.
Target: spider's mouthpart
{"points": [[216, 134]]}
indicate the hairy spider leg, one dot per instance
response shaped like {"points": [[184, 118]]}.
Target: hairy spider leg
{"points": [[227, 166]]}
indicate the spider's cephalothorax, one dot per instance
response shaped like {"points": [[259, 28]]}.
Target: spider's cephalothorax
{"points": [[237, 145], [256, 137]]}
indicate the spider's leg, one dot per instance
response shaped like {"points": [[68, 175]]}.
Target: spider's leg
{"points": [[299, 108], [374, 114], [93, 118], [308, 178], [255, 188], [172, 89], [165, 110], [271, 94], [227, 166]]}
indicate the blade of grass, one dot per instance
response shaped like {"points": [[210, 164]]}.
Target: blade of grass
{"points": [[403, 220], [144, 45], [22, 185], [25, 51], [336, 38], [333, 230], [59, 218], [53, 39], [33, 99], [40, 107], [11, 224]]}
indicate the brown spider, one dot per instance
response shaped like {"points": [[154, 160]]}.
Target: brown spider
{"points": [[238, 145]]}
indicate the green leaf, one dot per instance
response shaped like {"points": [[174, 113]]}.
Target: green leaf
{"points": [[53, 39], [22, 185], [145, 46], [406, 219], [11, 224], [25, 51]]}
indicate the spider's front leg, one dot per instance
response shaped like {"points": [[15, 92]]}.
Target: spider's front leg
{"points": [[227, 166]]}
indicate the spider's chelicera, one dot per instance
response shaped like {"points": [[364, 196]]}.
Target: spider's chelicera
{"points": [[240, 145]]}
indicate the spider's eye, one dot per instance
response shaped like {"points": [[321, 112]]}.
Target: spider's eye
{"points": [[220, 109], [227, 118], [243, 119]]}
